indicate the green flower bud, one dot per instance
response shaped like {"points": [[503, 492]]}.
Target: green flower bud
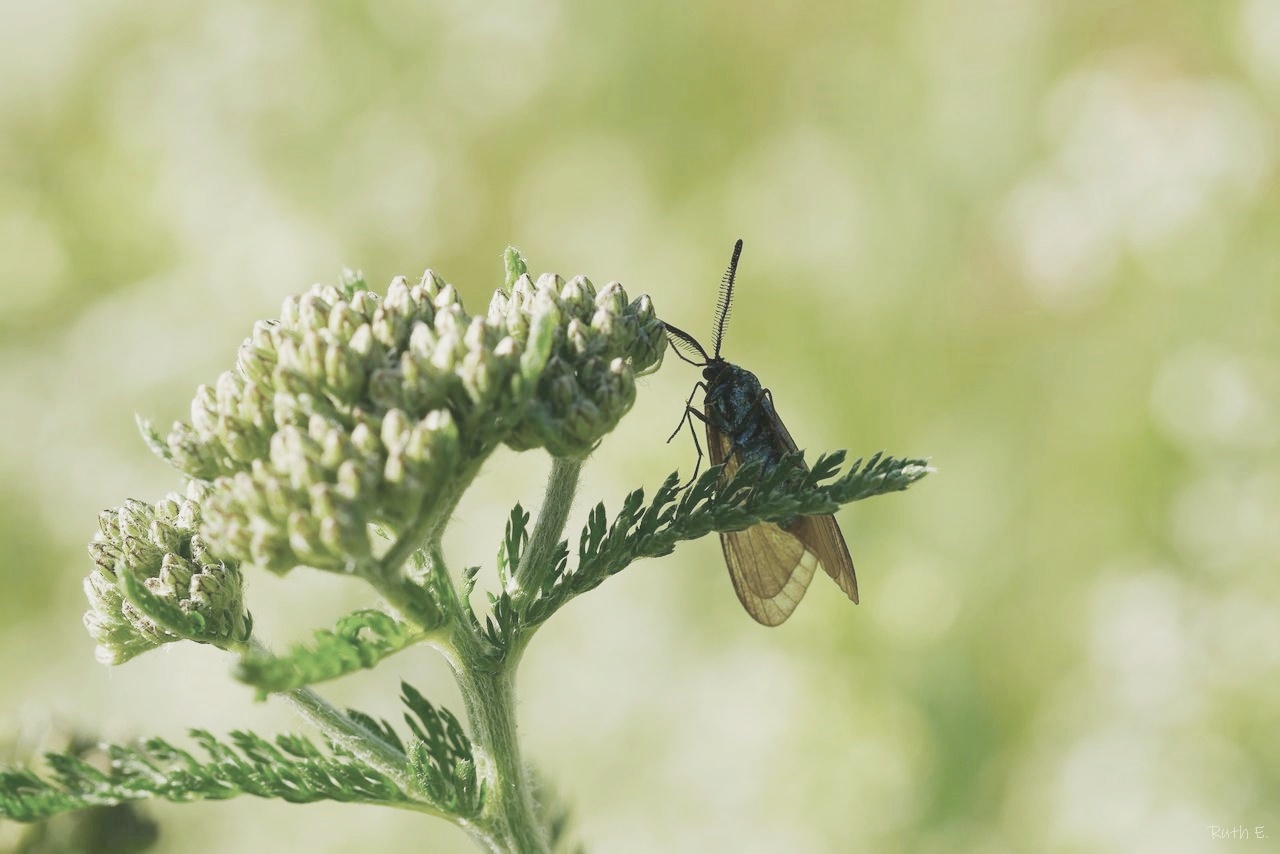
{"points": [[175, 576], [522, 293], [343, 322], [152, 582], [350, 482], [109, 523], [387, 386], [422, 343], [351, 283], [578, 297], [395, 429], [544, 322], [254, 408], [365, 303], [444, 433], [550, 283], [165, 536], [431, 285], [579, 394], [514, 265], [448, 347], [447, 298], [304, 531], [475, 372], [650, 339], [204, 411], [579, 337], [365, 440], [612, 300], [267, 547], [515, 321], [311, 355], [227, 390], [264, 339], [132, 518], [363, 344]]}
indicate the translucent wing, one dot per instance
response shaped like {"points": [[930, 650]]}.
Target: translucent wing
{"points": [[820, 534], [720, 450], [770, 567]]}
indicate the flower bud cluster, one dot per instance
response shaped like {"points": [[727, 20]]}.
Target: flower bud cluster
{"points": [[598, 343], [160, 547], [351, 410]]}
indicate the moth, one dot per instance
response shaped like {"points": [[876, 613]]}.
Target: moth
{"points": [[770, 564]]}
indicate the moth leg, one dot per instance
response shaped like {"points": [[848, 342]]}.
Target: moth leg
{"points": [[688, 407], [689, 410], [694, 433]]}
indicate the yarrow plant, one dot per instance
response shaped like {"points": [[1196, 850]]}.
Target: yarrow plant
{"points": [[342, 440]]}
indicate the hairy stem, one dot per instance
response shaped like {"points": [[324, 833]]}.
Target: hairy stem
{"points": [[487, 685], [407, 594], [562, 485], [489, 697]]}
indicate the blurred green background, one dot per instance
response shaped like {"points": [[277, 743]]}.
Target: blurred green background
{"points": [[1037, 241]]}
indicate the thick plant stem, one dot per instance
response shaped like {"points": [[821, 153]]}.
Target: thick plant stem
{"points": [[547, 531], [406, 594], [488, 687], [509, 821], [488, 693]]}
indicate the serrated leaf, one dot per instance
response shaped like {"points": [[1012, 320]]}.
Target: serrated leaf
{"points": [[154, 441], [163, 612], [711, 504], [441, 755], [289, 768], [359, 641], [514, 541]]}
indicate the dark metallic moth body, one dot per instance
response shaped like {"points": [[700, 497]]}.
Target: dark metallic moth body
{"points": [[770, 564], [737, 406]]}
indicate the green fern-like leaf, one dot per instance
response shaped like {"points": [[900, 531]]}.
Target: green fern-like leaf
{"points": [[555, 816], [379, 727], [154, 441], [514, 542], [164, 612], [290, 768], [441, 756], [360, 640], [711, 504]]}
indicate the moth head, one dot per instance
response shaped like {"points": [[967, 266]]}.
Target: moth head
{"points": [[715, 370]]}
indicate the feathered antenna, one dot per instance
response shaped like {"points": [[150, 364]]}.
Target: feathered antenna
{"points": [[684, 341], [725, 304]]}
